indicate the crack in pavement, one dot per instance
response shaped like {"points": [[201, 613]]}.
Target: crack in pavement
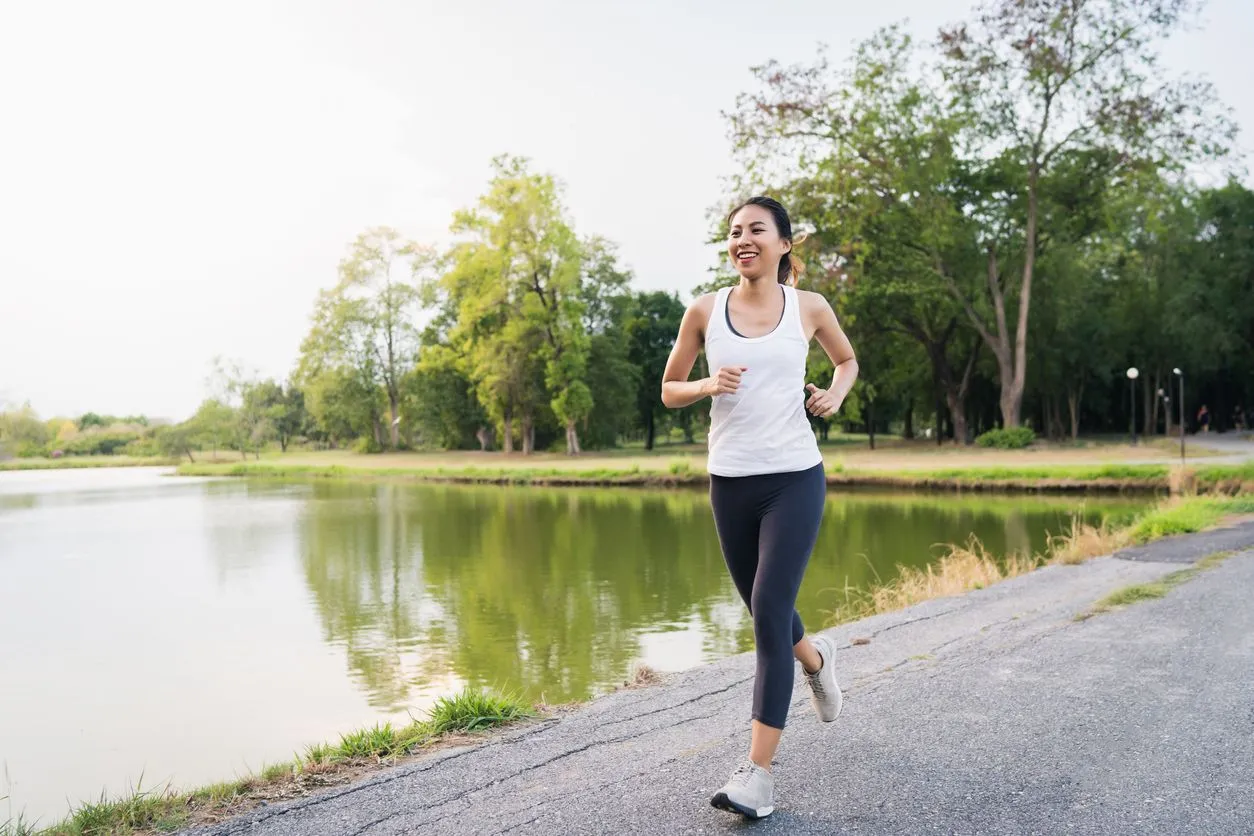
{"points": [[576, 751], [664, 708]]}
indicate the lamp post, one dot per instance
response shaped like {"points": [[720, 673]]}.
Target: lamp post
{"points": [[1133, 374], [1180, 375]]}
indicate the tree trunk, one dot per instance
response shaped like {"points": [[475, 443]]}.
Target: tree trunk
{"points": [[572, 439], [396, 424], [507, 441], [1073, 406], [908, 430], [283, 443], [1149, 397], [685, 423], [650, 430], [528, 435], [957, 414], [870, 422], [484, 437], [940, 410]]}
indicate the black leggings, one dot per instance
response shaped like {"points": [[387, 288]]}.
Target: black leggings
{"points": [[767, 526]]}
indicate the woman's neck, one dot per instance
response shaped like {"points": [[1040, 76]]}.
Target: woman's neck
{"points": [[758, 290]]}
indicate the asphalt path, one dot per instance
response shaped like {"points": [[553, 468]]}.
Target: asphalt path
{"points": [[993, 712]]}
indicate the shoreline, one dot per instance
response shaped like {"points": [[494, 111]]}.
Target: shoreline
{"points": [[1145, 479]]}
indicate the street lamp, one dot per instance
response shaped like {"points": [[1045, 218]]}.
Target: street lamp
{"points": [[1133, 374], [1180, 375]]}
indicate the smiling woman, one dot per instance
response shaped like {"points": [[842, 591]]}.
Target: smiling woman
{"points": [[766, 473]]}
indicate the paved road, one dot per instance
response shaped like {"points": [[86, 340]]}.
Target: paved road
{"points": [[996, 712]]}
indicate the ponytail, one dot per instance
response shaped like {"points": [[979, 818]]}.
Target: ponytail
{"points": [[790, 267]]}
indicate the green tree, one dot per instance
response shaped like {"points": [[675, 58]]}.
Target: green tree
{"points": [[365, 325], [516, 285], [613, 378], [1038, 81], [651, 333], [865, 157]]}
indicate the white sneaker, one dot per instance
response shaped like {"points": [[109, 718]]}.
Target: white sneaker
{"points": [[750, 792], [824, 692]]}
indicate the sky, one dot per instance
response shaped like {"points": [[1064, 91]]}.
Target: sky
{"points": [[178, 180]]}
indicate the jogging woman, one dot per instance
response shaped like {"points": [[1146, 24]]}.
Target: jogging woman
{"points": [[767, 485]]}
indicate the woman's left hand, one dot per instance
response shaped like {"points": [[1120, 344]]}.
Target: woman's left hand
{"points": [[821, 403]]}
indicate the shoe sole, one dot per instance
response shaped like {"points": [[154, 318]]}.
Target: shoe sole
{"points": [[722, 802]]}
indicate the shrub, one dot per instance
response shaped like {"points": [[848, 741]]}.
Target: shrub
{"points": [[1011, 438], [31, 450]]}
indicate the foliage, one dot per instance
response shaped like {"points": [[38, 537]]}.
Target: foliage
{"points": [[1009, 438]]}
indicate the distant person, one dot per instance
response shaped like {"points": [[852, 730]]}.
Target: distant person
{"points": [[767, 485], [1203, 419]]}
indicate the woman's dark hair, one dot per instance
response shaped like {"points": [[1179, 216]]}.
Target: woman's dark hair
{"points": [[790, 267]]}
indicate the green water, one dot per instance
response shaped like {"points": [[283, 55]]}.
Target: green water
{"points": [[191, 630]]}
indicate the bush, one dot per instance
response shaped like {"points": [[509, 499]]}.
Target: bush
{"points": [[1013, 438], [99, 443], [143, 448], [31, 450], [367, 444]]}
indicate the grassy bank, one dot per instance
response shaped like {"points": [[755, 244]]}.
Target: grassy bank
{"points": [[85, 462], [1067, 478], [968, 567], [164, 809]]}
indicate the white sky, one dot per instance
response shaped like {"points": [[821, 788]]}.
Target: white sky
{"points": [[178, 180]]}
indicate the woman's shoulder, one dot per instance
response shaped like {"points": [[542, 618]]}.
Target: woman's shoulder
{"points": [[809, 300], [703, 303]]}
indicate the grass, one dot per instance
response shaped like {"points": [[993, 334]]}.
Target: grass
{"points": [[910, 468], [1188, 516], [1135, 593], [163, 809], [969, 567], [85, 462]]}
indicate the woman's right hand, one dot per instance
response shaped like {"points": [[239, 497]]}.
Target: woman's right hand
{"points": [[726, 381]]}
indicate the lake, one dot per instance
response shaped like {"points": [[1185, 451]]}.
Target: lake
{"points": [[192, 630]]}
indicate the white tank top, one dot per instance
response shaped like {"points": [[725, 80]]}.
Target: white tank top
{"points": [[762, 428]]}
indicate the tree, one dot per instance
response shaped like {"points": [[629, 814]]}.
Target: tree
{"points": [[651, 334], [516, 283], [22, 433], [283, 407], [441, 402], [1039, 79], [365, 325], [212, 426], [866, 158], [613, 379]]}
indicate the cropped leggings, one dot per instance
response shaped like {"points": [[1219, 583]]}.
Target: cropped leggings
{"points": [[767, 526]]}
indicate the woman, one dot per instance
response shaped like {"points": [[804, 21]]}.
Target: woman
{"points": [[767, 485]]}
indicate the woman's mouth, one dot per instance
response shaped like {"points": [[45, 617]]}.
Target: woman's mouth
{"points": [[745, 258]]}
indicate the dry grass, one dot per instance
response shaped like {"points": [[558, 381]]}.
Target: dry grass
{"points": [[1084, 542], [642, 676], [962, 569]]}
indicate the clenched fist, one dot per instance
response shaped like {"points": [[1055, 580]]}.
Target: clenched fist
{"points": [[726, 381], [821, 402]]}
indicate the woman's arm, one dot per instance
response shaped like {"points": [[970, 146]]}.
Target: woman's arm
{"points": [[677, 390], [826, 402]]}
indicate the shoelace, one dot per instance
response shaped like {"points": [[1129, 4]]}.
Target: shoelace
{"points": [[816, 681], [742, 774]]}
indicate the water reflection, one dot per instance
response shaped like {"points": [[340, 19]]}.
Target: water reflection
{"points": [[553, 593]]}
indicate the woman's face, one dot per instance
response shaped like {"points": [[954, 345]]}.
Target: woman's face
{"points": [[754, 244]]}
